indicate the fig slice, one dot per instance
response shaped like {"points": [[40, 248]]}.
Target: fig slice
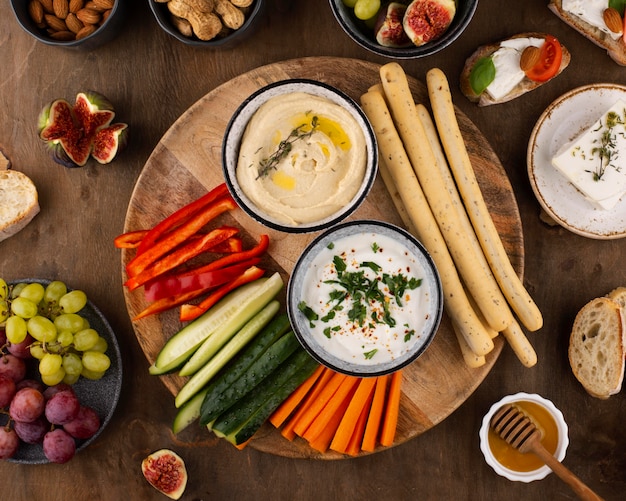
{"points": [[165, 471], [426, 20], [388, 29], [76, 132]]}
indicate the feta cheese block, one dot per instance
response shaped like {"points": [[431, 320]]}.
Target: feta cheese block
{"points": [[507, 63], [593, 162]]}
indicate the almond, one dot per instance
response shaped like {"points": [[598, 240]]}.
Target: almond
{"points": [[104, 4], [73, 23], [55, 23], [76, 5], [61, 8], [47, 6], [613, 20], [530, 57], [86, 31], [88, 16], [35, 10], [63, 36]]}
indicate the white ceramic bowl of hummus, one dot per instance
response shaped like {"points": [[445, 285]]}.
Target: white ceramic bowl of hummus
{"points": [[299, 156], [365, 298]]}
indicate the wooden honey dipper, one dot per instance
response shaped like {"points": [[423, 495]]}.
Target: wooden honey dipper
{"points": [[518, 430]]}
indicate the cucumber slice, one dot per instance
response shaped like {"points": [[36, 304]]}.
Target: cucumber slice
{"points": [[243, 419], [182, 345], [257, 420], [276, 354], [223, 338], [217, 390], [188, 413]]}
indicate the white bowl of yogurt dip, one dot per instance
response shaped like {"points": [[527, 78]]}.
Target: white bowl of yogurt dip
{"points": [[299, 156], [365, 298]]}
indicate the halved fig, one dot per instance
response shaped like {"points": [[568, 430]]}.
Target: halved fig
{"points": [[165, 471], [388, 29], [76, 132], [426, 20]]}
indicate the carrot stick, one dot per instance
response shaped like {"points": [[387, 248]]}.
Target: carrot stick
{"points": [[360, 400], [354, 446], [320, 402], [373, 420], [284, 410], [288, 429], [323, 439], [326, 414], [392, 409]]}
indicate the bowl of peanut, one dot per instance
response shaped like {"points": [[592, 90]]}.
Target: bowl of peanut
{"points": [[83, 24], [207, 23]]}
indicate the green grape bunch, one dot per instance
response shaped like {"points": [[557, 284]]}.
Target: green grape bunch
{"points": [[61, 339]]}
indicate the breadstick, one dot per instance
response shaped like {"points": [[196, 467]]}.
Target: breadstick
{"points": [[520, 344], [393, 153], [395, 196], [460, 164], [472, 360], [469, 259]]}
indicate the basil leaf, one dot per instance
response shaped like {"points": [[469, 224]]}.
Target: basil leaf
{"points": [[618, 5], [482, 74]]}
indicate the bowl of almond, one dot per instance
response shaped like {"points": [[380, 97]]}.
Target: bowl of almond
{"points": [[81, 24]]}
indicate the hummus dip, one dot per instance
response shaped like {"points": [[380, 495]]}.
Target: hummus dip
{"points": [[302, 158]]}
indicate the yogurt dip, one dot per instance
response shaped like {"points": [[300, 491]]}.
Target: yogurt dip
{"points": [[364, 299]]}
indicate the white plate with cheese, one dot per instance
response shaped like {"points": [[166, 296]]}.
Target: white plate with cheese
{"points": [[563, 126]]}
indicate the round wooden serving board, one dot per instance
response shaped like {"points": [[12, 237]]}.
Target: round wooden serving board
{"points": [[187, 162]]}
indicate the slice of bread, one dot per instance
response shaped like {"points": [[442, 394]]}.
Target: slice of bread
{"points": [[526, 85], [596, 347], [19, 202], [616, 49]]}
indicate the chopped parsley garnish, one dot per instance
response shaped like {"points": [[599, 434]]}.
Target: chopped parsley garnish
{"points": [[370, 354]]}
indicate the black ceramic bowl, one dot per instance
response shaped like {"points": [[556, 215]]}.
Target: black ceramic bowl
{"points": [[237, 127], [331, 334], [164, 19], [105, 33], [364, 36]]}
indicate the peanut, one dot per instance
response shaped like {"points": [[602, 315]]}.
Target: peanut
{"points": [[231, 16], [205, 25], [241, 3]]}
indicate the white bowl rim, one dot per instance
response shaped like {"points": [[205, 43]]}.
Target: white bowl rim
{"points": [[236, 127], [430, 268], [544, 470]]}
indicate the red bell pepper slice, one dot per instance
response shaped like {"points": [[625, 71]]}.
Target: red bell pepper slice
{"points": [[232, 245], [180, 216], [181, 255], [190, 312], [237, 257], [179, 235], [130, 239], [168, 303], [188, 281]]}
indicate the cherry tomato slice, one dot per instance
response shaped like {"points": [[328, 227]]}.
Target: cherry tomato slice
{"points": [[549, 61]]}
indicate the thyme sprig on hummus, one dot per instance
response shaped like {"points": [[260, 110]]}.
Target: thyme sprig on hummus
{"points": [[284, 147]]}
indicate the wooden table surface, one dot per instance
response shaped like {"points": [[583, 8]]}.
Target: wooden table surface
{"points": [[153, 79]]}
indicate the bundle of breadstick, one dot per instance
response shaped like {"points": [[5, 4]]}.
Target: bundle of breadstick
{"points": [[428, 173]]}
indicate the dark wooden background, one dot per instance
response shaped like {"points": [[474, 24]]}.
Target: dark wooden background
{"points": [[153, 79]]}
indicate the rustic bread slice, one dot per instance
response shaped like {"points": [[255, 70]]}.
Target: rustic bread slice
{"points": [[526, 85], [596, 347], [616, 49], [19, 202], [619, 296]]}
